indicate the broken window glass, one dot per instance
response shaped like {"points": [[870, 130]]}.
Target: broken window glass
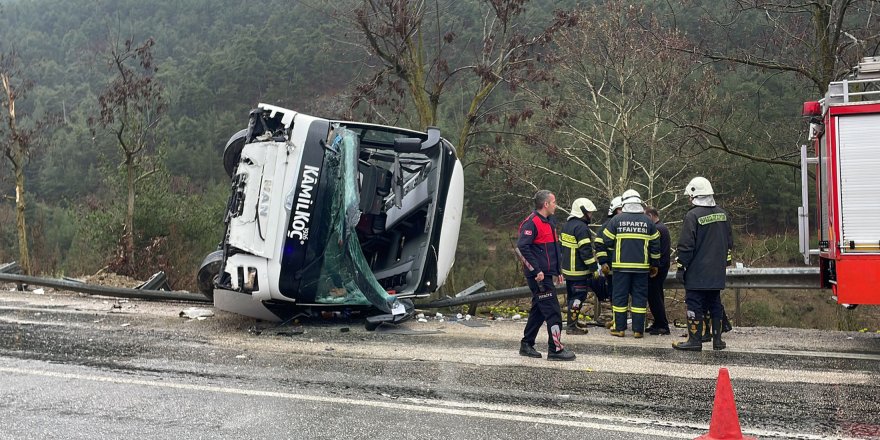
{"points": [[346, 277]]}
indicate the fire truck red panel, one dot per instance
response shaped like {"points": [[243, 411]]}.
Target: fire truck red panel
{"points": [[858, 280]]}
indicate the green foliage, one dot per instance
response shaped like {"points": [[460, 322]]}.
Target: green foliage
{"points": [[98, 228], [177, 227], [218, 59], [483, 254]]}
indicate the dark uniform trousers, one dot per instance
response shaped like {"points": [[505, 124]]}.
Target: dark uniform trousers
{"points": [[701, 301], [626, 283], [545, 308], [576, 291], [609, 284], [656, 302]]}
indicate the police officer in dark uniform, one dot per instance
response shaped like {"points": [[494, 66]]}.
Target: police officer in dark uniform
{"points": [[703, 253], [578, 262], [633, 246], [539, 248]]}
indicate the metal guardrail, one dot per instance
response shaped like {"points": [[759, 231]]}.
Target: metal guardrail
{"points": [[10, 268], [93, 289], [747, 278]]}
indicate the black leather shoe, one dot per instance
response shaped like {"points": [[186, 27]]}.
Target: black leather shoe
{"points": [[561, 355], [658, 331], [528, 351]]}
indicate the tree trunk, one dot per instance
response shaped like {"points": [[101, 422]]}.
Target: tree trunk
{"points": [[825, 61], [470, 118], [21, 221], [18, 160], [129, 214]]}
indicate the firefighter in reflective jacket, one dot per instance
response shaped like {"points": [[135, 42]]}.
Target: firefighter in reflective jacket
{"points": [[632, 243], [704, 247], [539, 251], [578, 262]]}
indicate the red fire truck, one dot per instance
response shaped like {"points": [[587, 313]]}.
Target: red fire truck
{"points": [[845, 133]]}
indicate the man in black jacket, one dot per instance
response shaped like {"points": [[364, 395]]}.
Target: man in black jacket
{"points": [[578, 261], [656, 298], [539, 248], [703, 255]]}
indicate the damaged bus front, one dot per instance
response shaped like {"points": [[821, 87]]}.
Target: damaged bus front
{"points": [[328, 215]]}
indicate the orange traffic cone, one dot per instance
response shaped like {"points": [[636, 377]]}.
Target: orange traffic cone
{"points": [[725, 422]]}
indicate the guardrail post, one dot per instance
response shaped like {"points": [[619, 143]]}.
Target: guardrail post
{"points": [[737, 307]]}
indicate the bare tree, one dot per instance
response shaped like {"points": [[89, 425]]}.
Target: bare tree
{"points": [[816, 41], [130, 109], [610, 112], [819, 40], [16, 143], [420, 60]]}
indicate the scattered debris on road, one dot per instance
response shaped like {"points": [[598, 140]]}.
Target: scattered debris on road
{"points": [[198, 313]]}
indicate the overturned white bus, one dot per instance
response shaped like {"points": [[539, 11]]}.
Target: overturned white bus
{"points": [[330, 215]]}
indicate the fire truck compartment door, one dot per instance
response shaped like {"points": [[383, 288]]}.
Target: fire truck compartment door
{"points": [[858, 152]]}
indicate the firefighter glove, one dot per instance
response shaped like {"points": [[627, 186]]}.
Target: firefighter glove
{"points": [[606, 269], [653, 271]]}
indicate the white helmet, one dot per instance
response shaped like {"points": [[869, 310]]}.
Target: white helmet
{"points": [[698, 186], [581, 207], [616, 203], [631, 196]]}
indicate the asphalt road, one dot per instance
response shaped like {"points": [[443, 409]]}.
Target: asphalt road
{"points": [[87, 367]]}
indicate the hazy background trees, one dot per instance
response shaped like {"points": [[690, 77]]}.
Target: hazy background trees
{"points": [[584, 98]]}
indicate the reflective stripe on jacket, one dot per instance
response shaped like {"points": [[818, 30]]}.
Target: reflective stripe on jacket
{"points": [[599, 244], [576, 240], [632, 242]]}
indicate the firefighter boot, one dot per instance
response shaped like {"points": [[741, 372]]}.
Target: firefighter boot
{"points": [[528, 351], [725, 324], [717, 343], [638, 325], [694, 342], [571, 327], [619, 329], [707, 329]]}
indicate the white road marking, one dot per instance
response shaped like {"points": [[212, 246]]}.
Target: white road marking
{"points": [[385, 405], [514, 413]]}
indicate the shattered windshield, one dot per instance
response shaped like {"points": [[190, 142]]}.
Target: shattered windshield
{"points": [[346, 277]]}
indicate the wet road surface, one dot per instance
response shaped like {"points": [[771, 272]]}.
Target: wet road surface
{"points": [[85, 367]]}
